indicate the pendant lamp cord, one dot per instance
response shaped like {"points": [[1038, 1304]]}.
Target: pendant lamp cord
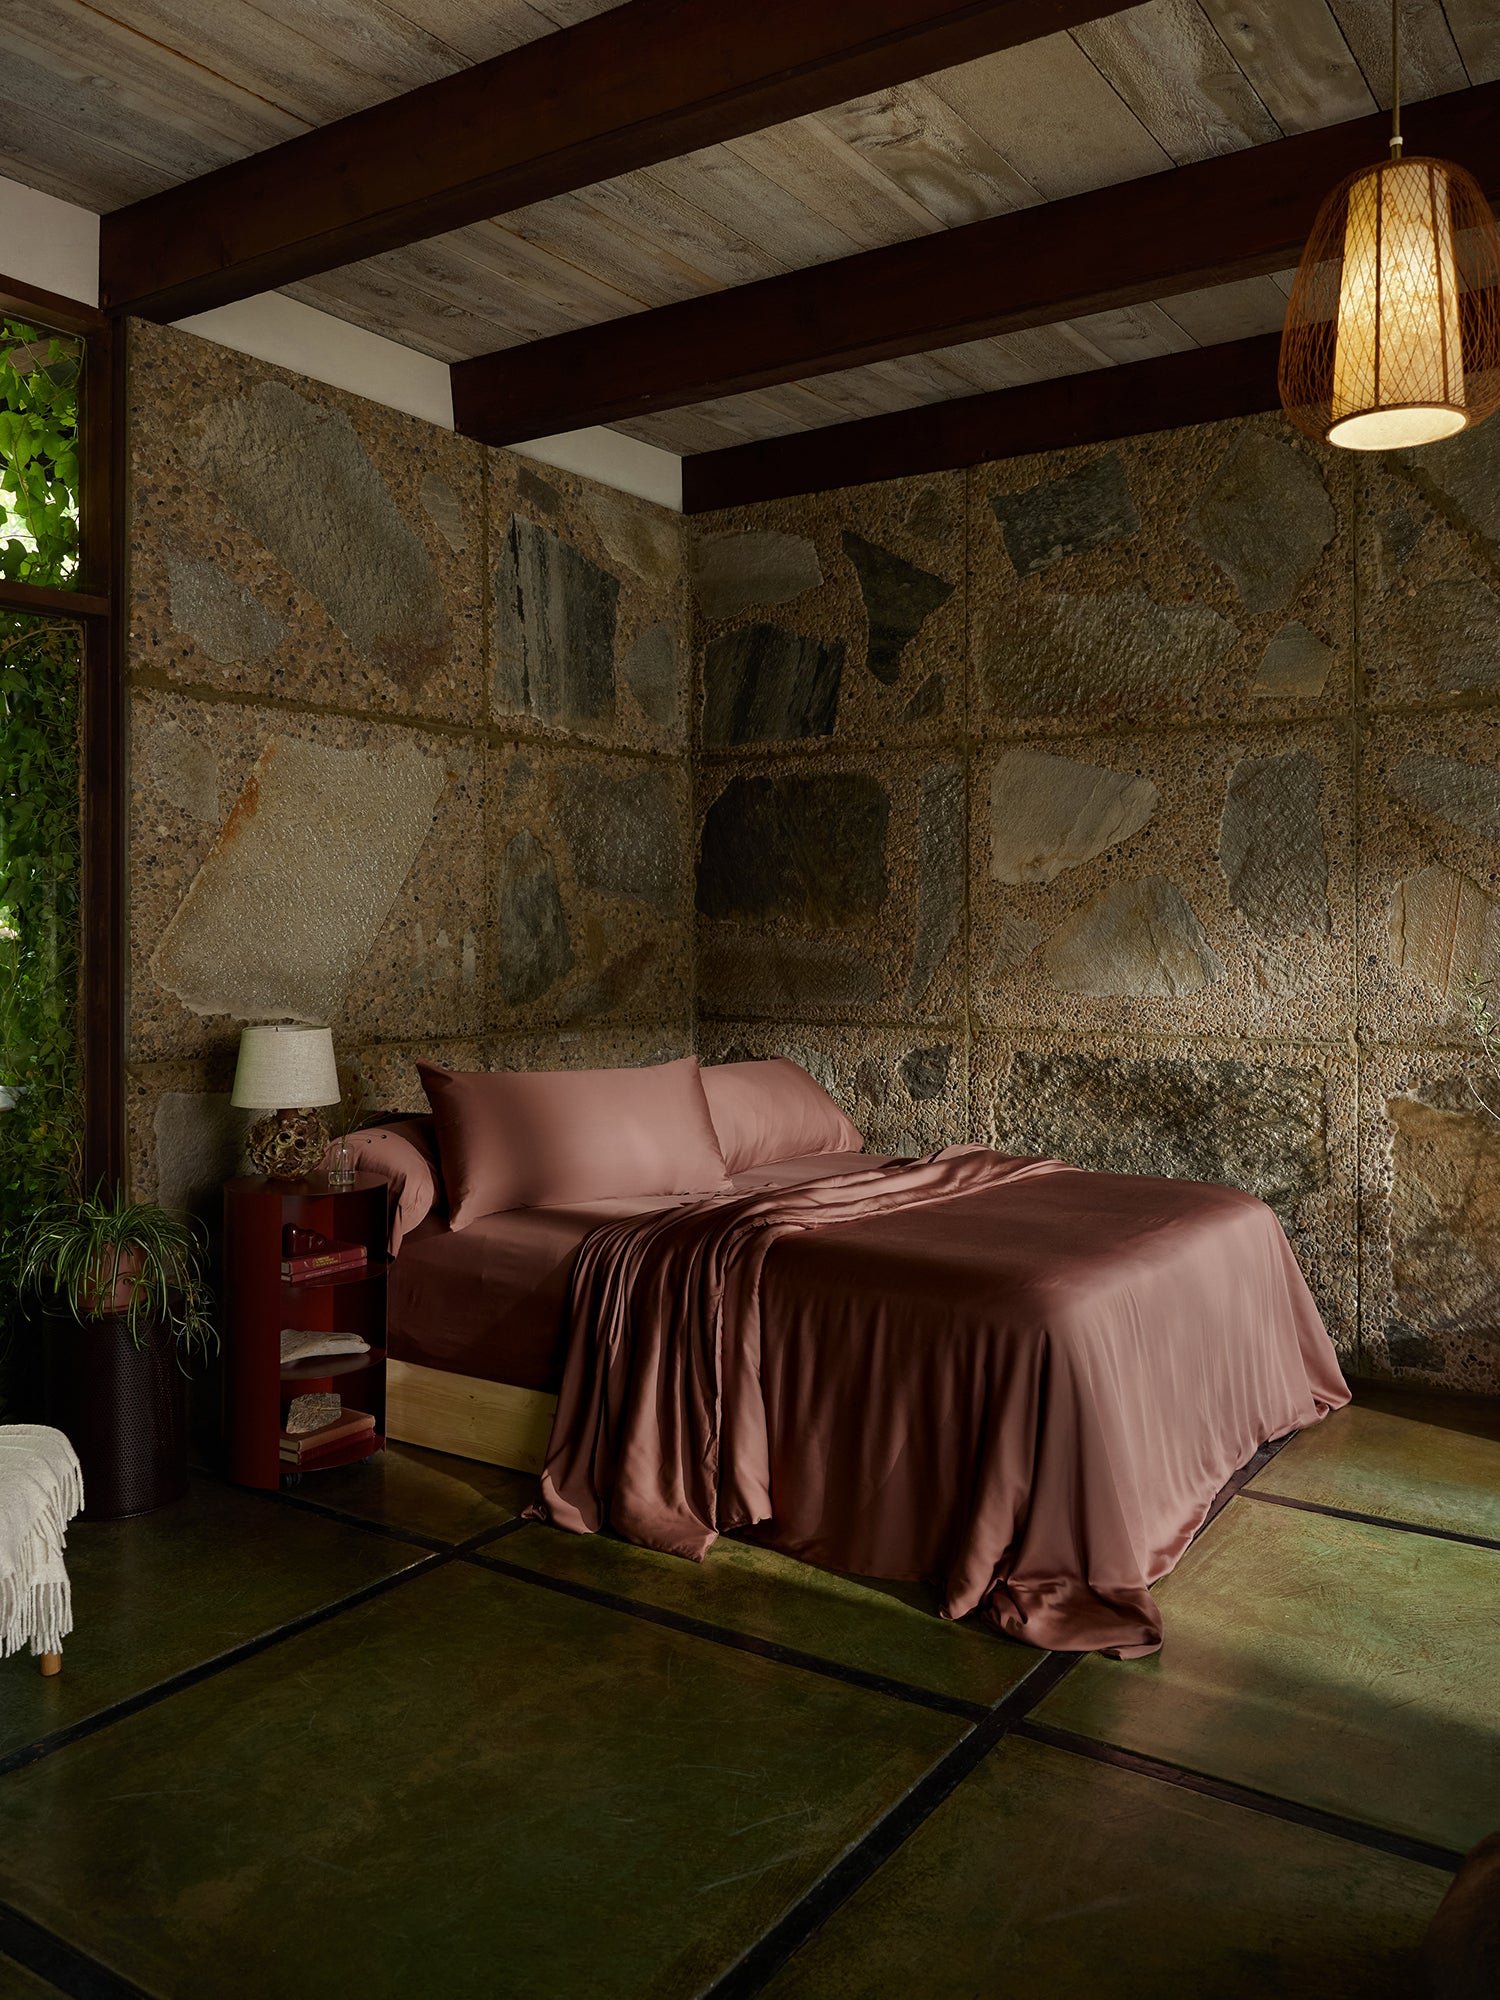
{"points": [[1395, 79]]}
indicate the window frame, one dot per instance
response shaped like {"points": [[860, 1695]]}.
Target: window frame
{"points": [[98, 606]]}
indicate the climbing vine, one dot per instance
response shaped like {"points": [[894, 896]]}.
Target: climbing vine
{"points": [[39, 379], [40, 858]]}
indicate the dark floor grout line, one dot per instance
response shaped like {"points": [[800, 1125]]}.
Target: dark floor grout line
{"points": [[739, 1642], [61, 1964], [1238, 1481], [416, 1537], [750, 1973], [1374, 1520], [325, 1510], [487, 1535], [1269, 1804], [202, 1670]]}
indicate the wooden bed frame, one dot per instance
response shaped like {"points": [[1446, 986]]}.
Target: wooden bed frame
{"points": [[471, 1418]]}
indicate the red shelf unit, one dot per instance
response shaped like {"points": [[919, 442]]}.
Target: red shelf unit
{"points": [[261, 1303]]}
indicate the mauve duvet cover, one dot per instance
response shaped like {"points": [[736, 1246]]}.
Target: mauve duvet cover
{"points": [[1021, 1383]]}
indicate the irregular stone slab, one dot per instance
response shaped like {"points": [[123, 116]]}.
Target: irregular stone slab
{"points": [[1442, 929], [1257, 1126], [611, 987], [295, 889], [555, 615], [925, 1071], [1465, 795], [534, 491], [1296, 663], [1051, 813], [1059, 517], [1451, 634], [805, 847], [1445, 1249], [650, 670], [940, 882], [1138, 940], [817, 1065], [1465, 474], [1016, 938], [1271, 845], [1406, 1347], [928, 700], [763, 684], [639, 537], [1265, 519], [184, 770], [1399, 534], [751, 973], [445, 510], [625, 834], [297, 476], [899, 599], [733, 573], [931, 515], [871, 1081], [1051, 653], [200, 1143], [534, 951], [230, 624]]}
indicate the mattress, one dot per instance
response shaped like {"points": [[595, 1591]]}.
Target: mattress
{"points": [[491, 1300]]}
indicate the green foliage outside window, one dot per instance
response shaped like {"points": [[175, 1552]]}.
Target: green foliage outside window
{"points": [[40, 1087], [39, 378]]}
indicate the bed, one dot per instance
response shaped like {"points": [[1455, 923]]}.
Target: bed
{"points": [[1021, 1383]]}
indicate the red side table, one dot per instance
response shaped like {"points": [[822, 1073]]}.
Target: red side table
{"points": [[261, 1303]]}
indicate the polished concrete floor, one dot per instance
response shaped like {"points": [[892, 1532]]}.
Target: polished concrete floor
{"points": [[382, 1737]]}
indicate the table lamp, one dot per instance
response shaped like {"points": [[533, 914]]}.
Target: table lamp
{"points": [[287, 1073]]}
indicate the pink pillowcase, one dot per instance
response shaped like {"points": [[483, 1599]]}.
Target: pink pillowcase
{"points": [[404, 1155], [765, 1111], [539, 1138]]}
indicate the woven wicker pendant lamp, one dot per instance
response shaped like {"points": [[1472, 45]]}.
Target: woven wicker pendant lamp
{"points": [[1392, 333]]}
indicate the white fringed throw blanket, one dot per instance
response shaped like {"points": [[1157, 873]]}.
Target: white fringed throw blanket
{"points": [[41, 1489]]}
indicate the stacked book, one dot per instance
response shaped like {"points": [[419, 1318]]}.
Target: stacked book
{"points": [[305, 1449], [329, 1259]]}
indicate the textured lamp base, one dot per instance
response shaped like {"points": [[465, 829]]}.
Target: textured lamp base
{"points": [[288, 1145]]}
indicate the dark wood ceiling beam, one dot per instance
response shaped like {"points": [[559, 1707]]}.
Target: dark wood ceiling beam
{"points": [[1204, 385], [645, 82], [1239, 216]]}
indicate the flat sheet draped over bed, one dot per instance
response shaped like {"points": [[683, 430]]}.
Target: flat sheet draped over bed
{"points": [[1012, 1379]]}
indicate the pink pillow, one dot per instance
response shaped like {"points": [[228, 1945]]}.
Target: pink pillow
{"points": [[405, 1157], [538, 1138], [765, 1111]]}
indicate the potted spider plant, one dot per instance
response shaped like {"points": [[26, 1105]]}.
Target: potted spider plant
{"points": [[130, 1308]]}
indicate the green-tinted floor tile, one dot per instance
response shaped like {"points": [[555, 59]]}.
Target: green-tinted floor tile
{"points": [[16, 1983], [426, 1491], [160, 1593], [1400, 1467], [884, 1628], [468, 1786], [1045, 1873], [1344, 1666]]}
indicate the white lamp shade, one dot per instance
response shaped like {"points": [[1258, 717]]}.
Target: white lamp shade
{"points": [[284, 1069]]}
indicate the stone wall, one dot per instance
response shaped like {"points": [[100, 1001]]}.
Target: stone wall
{"points": [[1139, 804], [408, 752]]}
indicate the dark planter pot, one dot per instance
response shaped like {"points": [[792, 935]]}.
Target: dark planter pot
{"points": [[124, 1408]]}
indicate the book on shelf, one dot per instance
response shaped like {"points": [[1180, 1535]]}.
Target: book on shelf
{"points": [[331, 1258], [299, 1447]]}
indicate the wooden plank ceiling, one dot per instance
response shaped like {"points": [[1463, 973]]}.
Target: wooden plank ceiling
{"points": [[106, 101]]}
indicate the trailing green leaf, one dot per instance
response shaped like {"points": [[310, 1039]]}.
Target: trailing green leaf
{"points": [[109, 1253]]}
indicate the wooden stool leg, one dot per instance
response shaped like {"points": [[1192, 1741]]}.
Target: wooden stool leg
{"points": [[51, 1663]]}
